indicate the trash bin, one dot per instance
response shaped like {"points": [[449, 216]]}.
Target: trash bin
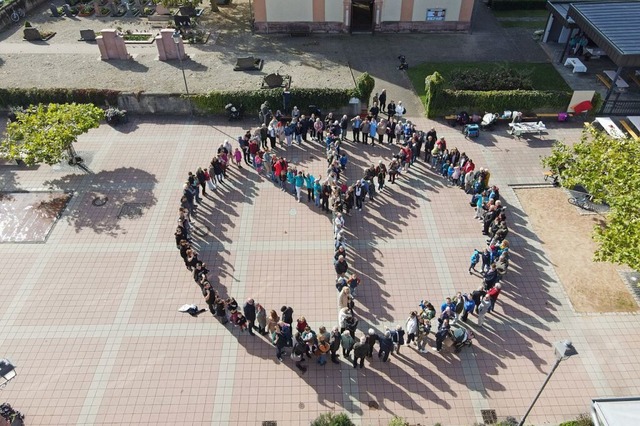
{"points": [[354, 106]]}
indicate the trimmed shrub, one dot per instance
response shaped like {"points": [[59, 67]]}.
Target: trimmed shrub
{"points": [[325, 99], [35, 96], [330, 419], [501, 78], [581, 420], [441, 101], [364, 86]]}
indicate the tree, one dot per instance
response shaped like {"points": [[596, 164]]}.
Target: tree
{"points": [[606, 167], [46, 133], [364, 86]]}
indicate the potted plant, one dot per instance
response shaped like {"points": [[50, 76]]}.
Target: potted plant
{"points": [[115, 116]]}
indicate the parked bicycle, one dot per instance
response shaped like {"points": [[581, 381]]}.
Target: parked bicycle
{"points": [[585, 202], [17, 12]]}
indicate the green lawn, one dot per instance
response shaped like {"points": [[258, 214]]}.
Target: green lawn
{"points": [[542, 14], [538, 25], [543, 75]]}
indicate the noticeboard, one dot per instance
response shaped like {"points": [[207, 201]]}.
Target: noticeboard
{"points": [[436, 14]]}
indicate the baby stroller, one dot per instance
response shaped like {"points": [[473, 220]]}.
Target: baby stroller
{"points": [[461, 337], [489, 120]]}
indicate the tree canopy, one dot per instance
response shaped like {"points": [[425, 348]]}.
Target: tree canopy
{"points": [[46, 133], [607, 168]]}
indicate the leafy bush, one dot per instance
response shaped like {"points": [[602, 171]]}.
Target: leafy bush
{"points": [[502, 78], [581, 420], [398, 421], [325, 99], [34, 96], [364, 86], [330, 419]]}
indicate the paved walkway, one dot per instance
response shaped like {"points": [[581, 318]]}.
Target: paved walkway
{"points": [[90, 318]]}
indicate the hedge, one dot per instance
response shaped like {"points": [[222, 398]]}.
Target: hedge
{"points": [[34, 96], [517, 4], [440, 101], [325, 99]]}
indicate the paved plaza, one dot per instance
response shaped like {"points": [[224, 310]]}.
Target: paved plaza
{"points": [[90, 317]]}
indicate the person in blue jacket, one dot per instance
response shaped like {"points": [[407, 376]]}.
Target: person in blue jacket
{"points": [[309, 181]]}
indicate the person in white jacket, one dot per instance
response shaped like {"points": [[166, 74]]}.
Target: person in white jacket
{"points": [[483, 308], [412, 327]]}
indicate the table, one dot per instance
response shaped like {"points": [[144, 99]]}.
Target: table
{"points": [[620, 83], [595, 52], [610, 127], [577, 65], [635, 120]]}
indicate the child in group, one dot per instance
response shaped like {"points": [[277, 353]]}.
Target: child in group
{"points": [[258, 163], [475, 258], [237, 158]]}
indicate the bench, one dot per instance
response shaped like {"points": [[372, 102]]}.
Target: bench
{"points": [[604, 80], [629, 130]]}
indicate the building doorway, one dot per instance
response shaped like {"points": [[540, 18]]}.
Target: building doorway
{"points": [[361, 16]]}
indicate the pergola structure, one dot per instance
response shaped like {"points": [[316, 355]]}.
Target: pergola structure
{"points": [[612, 25]]}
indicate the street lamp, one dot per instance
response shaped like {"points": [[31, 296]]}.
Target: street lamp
{"points": [[176, 39], [7, 372], [563, 350]]}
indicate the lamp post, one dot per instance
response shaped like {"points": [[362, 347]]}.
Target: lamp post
{"points": [[176, 39], [563, 350], [7, 372]]}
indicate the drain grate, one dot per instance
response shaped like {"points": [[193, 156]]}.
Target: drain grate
{"points": [[131, 210], [489, 416], [269, 423]]}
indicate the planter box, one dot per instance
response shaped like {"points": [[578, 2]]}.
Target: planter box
{"points": [[148, 40]]}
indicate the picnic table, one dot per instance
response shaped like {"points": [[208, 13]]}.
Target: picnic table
{"points": [[577, 65], [620, 83], [610, 127]]}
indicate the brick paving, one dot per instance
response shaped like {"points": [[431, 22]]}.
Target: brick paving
{"points": [[90, 318]]}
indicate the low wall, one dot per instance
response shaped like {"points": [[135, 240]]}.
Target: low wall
{"points": [[297, 27], [424, 27], [155, 103]]}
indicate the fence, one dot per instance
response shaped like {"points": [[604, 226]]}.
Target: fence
{"points": [[616, 107]]}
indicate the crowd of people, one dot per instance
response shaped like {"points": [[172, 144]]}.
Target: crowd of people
{"points": [[333, 196]]}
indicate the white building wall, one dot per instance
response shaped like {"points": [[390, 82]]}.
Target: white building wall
{"points": [[290, 11], [333, 10], [391, 11], [420, 8]]}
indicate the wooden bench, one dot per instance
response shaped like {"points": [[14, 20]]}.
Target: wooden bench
{"points": [[604, 80], [629, 130]]}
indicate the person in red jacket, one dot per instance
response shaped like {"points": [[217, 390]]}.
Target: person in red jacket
{"points": [[493, 294]]}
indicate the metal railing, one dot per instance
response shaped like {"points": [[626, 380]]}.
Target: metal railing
{"points": [[617, 107]]}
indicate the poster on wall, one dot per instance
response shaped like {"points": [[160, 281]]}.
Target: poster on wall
{"points": [[436, 14]]}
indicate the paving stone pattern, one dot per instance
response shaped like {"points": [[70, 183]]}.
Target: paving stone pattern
{"points": [[90, 318]]}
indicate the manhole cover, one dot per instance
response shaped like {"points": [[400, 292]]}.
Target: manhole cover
{"points": [[293, 212], [132, 210], [301, 406], [489, 416], [373, 405], [100, 201]]}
